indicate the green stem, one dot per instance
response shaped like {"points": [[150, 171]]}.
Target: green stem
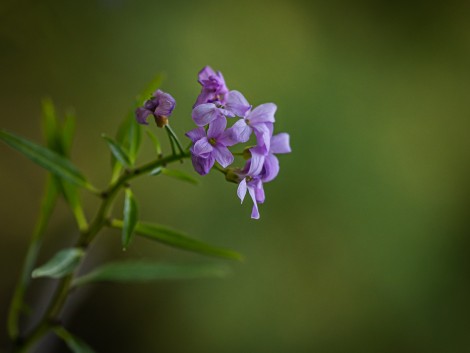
{"points": [[173, 136], [17, 303], [63, 289]]}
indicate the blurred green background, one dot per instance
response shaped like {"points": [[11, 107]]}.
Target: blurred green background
{"points": [[363, 241]]}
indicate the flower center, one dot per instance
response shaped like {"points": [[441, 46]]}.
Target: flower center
{"points": [[249, 178], [212, 141]]}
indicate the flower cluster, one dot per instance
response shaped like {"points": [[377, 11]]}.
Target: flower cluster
{"points": [[211, 139]]}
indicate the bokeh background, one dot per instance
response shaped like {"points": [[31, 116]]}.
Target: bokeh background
{"points": [[363, 241]]}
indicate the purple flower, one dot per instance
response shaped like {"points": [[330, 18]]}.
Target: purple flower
{"points": [[260, 121], [213, 86], [235, 105], [161, 106], [210, 146], [263, 167]]}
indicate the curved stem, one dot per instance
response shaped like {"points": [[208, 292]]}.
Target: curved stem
{"points": [[63, 289]]}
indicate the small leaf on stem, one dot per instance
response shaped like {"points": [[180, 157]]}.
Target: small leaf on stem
{"points": [[117, 151], [130, 218], [50, 160], [61, 264], [178, 174], [141, 271]]}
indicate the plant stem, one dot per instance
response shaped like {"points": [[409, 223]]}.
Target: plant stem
{"points": [[63, 289]]}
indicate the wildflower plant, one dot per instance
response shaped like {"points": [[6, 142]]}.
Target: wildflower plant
{"points": [[224, 119]]}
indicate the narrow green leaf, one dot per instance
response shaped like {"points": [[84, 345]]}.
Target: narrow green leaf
{"points": [[75, 344], [178, 240], [156, 143], [178, 174], [48, 203], [135, 138], [50, 125], [46, 158], [117, 151], [151, 87], [130, 218], [131, 271], [68, 132], [61, 264]]}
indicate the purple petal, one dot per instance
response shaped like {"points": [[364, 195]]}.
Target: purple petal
{"points": [[241, 191], [226, 112], [223, 155], [205, 113], [166, 103], [196, 134], [205, 73], [254, 211], [240, 131], [263, 113], [280, 143], [205, 96], [141, 115], [256, 165], [202, 165], [259, 192], [216, 127], [202, 148], [263, 134], [237, 103], [271, 168]]}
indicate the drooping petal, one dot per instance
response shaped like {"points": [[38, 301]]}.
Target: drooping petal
{"points": [[256, 165], [259, 192], [254, 211], [241, 191], [271, 168], [216, 127], [202, 165], [223, 155], [204, 114], [263, 134], [263, 113], [196, 134], [141, 115], [240, 131], [166, 103], [280, 143], [237, 104], [202, 148]]}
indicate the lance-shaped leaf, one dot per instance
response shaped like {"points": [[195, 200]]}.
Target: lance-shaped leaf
{"points": [[117, 151], [46, 158], [75, 344], [155, 142], [130, 218], [61, 264], [131, 271], [178, 240], [180, 175]]}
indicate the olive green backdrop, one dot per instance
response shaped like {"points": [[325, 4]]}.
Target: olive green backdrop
{"points": [[363, 240]]}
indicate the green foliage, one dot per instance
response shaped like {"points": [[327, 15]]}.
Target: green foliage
{"points": [[75, 344], [178, 240], [62, 263], [155, 142], [117, 151], [46, 158], [132, 271], [180, 175], [130, 218]]}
